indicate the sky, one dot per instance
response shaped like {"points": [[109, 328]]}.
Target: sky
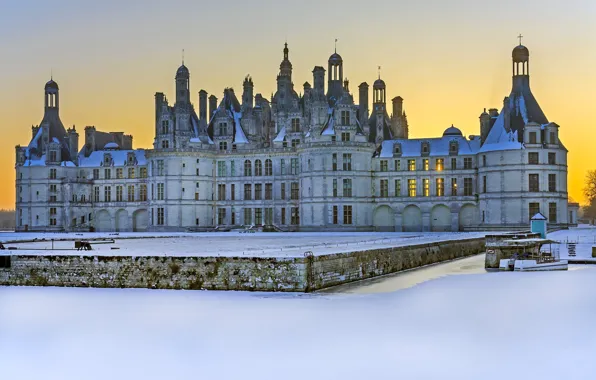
{"points": [[448, 59]]}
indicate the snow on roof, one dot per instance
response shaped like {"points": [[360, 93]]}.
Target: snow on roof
{"points": [[329, 129], [111, 145], [499, 139], [438, 146], [239, 136], [55, 140], [34, 143], [538, 216], [41, 161], [281, 136], [119, 157]]}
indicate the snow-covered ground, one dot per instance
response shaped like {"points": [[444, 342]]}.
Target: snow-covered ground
{"points": [[281, 244], [585, 238], [477, 326]]}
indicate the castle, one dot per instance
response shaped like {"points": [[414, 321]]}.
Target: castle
{"points": [[314, 162]]}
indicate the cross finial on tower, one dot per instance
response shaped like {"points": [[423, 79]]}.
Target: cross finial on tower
{"points": [[336, 45], [520, 39]]}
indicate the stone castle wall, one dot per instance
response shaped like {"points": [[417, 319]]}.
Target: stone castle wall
{"points": [[227, 273]]}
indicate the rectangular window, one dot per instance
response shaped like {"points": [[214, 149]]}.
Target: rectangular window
{"points": [[131, 173], [223, 145], [258, 216], [397, 164], [534, 208], [384, 165], [107, 173], [334, 162], [411, 165], [335, 215], [160, 191], [221, 216], [223, 129], [247, 216], [468, 187], [283, 166], [130, 192], [283, 215], [221, 168], [335, 187], [119, 173], [347, 214], [552, 183], [426, 187], [532, 137], [118, 193], [294, 191], [295, 216], [552, 212], [258, 191], [347, 187], [440, 182], [143, 193], [552, 138], [295, 143], [283, 191], [160, 168], [533, 158], [52, 210], [53, 188], [247, 191], [143, 172], [347, 161], [160, 216], [483, 160], [221, 192], [384, 188], [294, 166], [533, 182], [95, 173], [484, 184], [233, 217], [268, 191], [345, 118], [53, 173], [107, 194], [453, 163], [453, 187], [96, 194], [552, 158], [232, 169], [467, 162], [268, 216], [345, 136], [425, 164], [439, 164], [295, 125], [398, 187], [411, 187]]}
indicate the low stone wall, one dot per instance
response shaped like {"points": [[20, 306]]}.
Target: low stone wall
{"points": [[227, 273], [221, 273], [337, 269]]}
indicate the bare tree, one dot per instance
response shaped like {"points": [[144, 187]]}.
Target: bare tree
{"points": [[590, 185]]}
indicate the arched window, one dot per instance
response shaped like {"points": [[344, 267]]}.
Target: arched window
{"points": [[258, 168], [247, 168], [268, 167], [165, 144]]}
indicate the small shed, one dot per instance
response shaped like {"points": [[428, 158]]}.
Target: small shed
{"points": [[538, 225]]}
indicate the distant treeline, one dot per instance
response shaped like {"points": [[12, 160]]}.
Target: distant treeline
{"points": [[7, 221]]}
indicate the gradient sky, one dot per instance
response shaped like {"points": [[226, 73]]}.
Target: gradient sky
{"points": [[447, 59]]}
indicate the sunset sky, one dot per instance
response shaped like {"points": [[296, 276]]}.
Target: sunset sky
{"points": [[447, 59]]}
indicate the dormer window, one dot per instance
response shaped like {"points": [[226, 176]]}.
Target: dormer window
{"points": [[532, 139], [223, 129], [425, 150], [164, 127], [397, 149], [107, 159], [453, 148]]}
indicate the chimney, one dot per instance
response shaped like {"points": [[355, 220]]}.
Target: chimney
{"points": [[398, 103], [212, 105], [203, 105], [363, 103], [484, 126], [319, 79]]}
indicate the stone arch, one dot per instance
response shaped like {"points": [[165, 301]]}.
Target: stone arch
{"points": [[384, 219], [140, 220], [412, 219], [440, 219], [121, 220], [103, 221], [468, 216]]}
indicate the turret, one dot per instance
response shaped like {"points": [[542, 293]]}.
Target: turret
{"points": [[335, 76], [398, 102], [247, 94], [212, 106], [203, 105], [182, 85]]}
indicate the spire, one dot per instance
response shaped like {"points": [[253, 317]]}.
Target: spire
{"points": [[520, 39], [182, 57], [286, 51], [379, 72], [336, 46]]}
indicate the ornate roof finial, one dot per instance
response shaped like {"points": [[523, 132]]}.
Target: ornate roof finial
{"points": [[520, 39], [336, 45], [182, 56], [52, 73], [379, 72]]}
